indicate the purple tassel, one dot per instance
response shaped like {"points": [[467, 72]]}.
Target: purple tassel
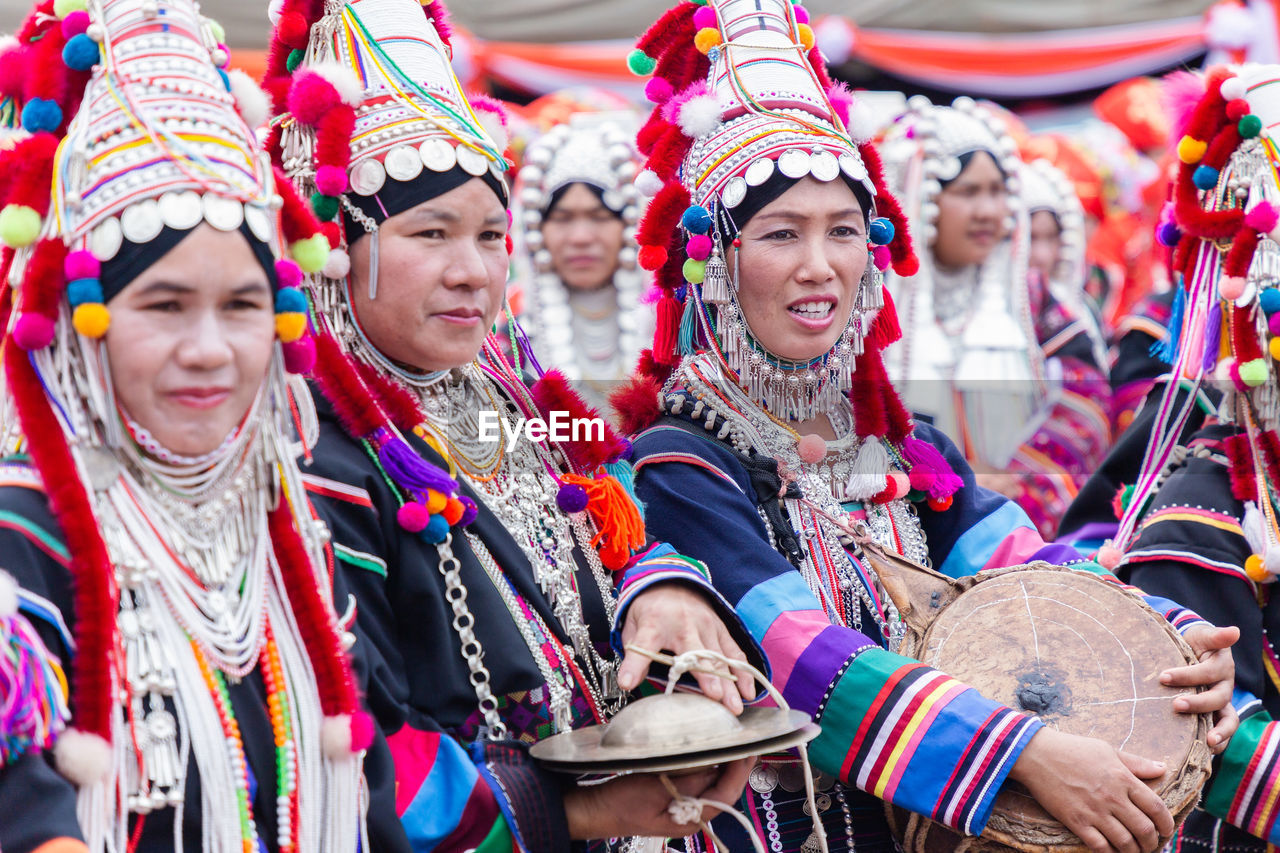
{"points": [[922, 453], [411, 472], [1212, 336]]}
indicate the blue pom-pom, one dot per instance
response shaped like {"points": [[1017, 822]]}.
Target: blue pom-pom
{"points": [[1269, 300], [881, 231], [696, 220], [41, 115], [571, 498], [435, 531], [1205, 177], [82, 290], [1168, 234], [81, 53], [290, 300]]}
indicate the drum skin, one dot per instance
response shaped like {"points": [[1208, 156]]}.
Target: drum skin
{"points": [[1082, 654]]}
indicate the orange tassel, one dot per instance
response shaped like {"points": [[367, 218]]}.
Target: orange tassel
{"points": [[620, 529]]}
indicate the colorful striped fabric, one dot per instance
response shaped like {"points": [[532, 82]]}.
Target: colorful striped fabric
{"points": [[1245, 789]]}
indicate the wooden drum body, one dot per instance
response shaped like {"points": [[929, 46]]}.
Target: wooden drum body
{"points": [[1079, 652]]}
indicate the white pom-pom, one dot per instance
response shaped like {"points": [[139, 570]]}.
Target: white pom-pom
{"points": [[343, 79], [648, 183], [1232, 88], [835, 38], [492, 124], [338, 265], [862, 122], [8, 595], [1254, 531], [1229, 27], [700, 116], [335, 737], [1271, 560], [253, 103], [81, 757], [274, 9]]}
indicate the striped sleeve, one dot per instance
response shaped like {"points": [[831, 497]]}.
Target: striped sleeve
{"points": [[890, 725], [1245, 787]]}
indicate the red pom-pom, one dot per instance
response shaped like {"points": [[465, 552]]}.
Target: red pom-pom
{"points": [[331, 180], [361, 731], [940, 504], [311, 97], [901, 484], [81, 264], [293, 29], [922, 478], [33, 331], [652, 257], [453, 510], [288, 273], [413, 517], [332, 232], [1237, 109], [300, 355]]}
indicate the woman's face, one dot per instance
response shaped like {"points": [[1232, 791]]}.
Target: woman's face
{"points": [[800, 265], [584, 238], [442, 270], [1046, 243], [190, 341], [971, 212]]}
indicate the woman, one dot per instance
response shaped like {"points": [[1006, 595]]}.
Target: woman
{"points": [[577, 211], [1201, 521], [156, 524], [766, 470], [995, 364], [483, 559]]}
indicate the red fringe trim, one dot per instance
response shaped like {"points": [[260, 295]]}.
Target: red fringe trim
{"points": [[666, 334], [1244, 339], [315, 619], [682, 65], [94, 595], [819, 65], [652, 131], [663, 215], [885, 328], [636, 403], [1240, 255], [29, 167], [552, 393], [397, 402], [43, 281], [1271, 454], [1191, 218], [1240, 455], [438, 14], [341, 386], [675, 24], [297, 220], [669, 153], [905, 262], [333, 137], [1222, 147]]}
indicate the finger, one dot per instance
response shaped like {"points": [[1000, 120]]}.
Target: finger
{"points": [[1209, 639], [1207, 702], [1093, 839], [1140, 826], [730, 649], [1227, 721], [1143, 768], [1118, 835], [635, 666], [1209, 671], [1152, 807], [733, 778], [718, 640]]}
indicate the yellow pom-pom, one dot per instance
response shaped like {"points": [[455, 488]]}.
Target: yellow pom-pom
{"points": [[806, 35], [1255, 568], [290, 326], [62, 8], [436, 501], [707, 38], [1190, 150], [311, 253], [92, 319], [19, 226], [1274, 346]]}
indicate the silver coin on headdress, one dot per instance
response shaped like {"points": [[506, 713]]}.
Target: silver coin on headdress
{"points": [[794, 163], [734, 192], [472, 161], [759, 172], [437, 155], [222, 213], [259, 218], [824, 166], [403, 163], [853, 167], [181, 210], [106, 239], [140, 222], [368, 177]]}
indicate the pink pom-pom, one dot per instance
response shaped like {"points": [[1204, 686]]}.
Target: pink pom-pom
{"points": [[882, 257], [802, 14], [841, 99], [658, 90], [703, 18], [288, 273], [1273, 324], [699, 247], [300, 355], [311, 97], [33, 331], [81, 264], [1233, 373], [1109, 557], [331, 180], [75, 23], [361, 731], [1262, 218], [922, 478], [413, 517], [1231, 287], [901, 484], [811, 449], [82, 757]]}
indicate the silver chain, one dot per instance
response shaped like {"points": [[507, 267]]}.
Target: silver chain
{"points": [[455, 592]]}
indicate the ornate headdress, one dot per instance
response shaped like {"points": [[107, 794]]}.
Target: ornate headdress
{"points": [[597, 149], [131, 138], [1226, 314], [924, 149], [741, 93]]}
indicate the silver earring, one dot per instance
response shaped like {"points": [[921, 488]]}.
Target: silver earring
{"points": [[373, 266]]}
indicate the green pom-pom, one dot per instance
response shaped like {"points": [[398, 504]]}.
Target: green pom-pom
{"points": [[294, 60], [640, 62], [215, 29], [324, 206], [311, 253], [19, 226], [1126, 496], [1249, 126], [694, 271], [62, 8], [1254, 373], [699, 2]]}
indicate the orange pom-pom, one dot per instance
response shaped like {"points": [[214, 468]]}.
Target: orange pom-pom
{"points": [[1256, 568], [805, 32], [436, 501], [453, 510], [707, 38], [92, 319], [290, 326]]}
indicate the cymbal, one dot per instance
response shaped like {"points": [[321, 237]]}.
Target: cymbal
{"points": [[674, 731]]}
